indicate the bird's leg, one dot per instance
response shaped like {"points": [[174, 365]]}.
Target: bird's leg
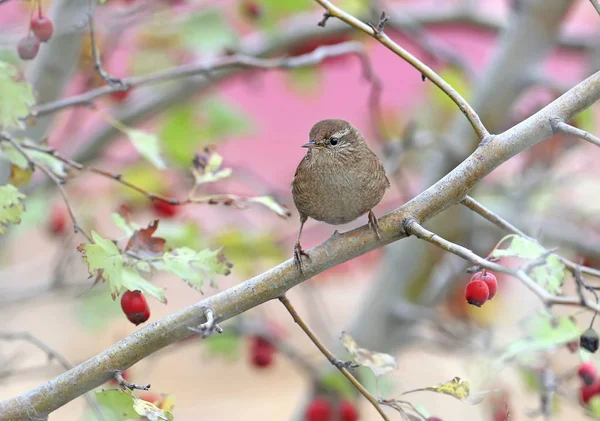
{"points": [[298, 252], [374, 225]]}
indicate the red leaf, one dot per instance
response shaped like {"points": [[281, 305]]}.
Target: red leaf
{"points": [[144, 245]]}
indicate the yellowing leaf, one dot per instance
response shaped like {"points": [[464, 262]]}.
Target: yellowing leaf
{"points": [[594, 406], [150, 411], [147, 145], [195, 267], [457, 388], [50, 162], [18, 176], [104, 256], [379, 363], [272, 204], [11, 206], [550, 274], [211, 171], [16, 98], [132, 280]]}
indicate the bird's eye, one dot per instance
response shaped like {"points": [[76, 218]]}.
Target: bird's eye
{"points": [[333, 141]]}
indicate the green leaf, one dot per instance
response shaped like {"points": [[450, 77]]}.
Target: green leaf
{"points": [[225, 345], [132, 281], [550, 275], [181, 234], [127, 227], [337, 382], [147, 145], [104, 255], [594, 407], [150, 411], [544, 332], [225, 118], [195, 267], [11, 206], [145, 178], [119, 403], [10, 153], [270, 203], [180, 135], [457, 388], [208, 33], [16, 98]]}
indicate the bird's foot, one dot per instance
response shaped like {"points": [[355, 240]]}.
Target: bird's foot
{"points": [[374, 225], [298, 253]]}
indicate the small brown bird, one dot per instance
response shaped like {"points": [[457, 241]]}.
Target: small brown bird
{"points": [[338, 180]]}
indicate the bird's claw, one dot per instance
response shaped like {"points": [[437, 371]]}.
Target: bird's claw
{"points": [[298, 253], [374, 225]]}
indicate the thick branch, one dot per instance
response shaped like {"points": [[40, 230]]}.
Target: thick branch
{"points": [[338, 249]]}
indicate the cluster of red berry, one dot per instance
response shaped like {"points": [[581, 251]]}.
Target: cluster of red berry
{"points": [[321, 409], [41, 29], [481, 288], [135, 307]]}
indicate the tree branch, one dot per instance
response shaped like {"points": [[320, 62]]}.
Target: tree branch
{"points": [[340, 248], [562, 127]]}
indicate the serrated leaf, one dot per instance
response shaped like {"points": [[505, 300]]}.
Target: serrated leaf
{"points": [[195, 267], [378, 362], [457, 388], [11, 206], [131, 280], [272, 204], [103, 255], [544, 332], [16, 98], [50, 162], [550, 275], [225, 345], [119, 403], [144, 245], [18, 176], [127, 227], [147, 145], [150, 411]]}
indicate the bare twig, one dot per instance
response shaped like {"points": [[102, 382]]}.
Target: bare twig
{"points": [[377, 33], [127, 385], [111, 80], [562, 127], [332, 359], [52, 355], [206, 69]]}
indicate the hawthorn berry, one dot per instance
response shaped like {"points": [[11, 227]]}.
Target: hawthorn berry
{"points": [[434, 419], [164, 209], [587, 372], [319, 410], [347, 411], [135, 307], [120, 96], [58, 220], [489, 279], [477, 293], [262, 352], [588, 391], [28, 47], [589, 340], [42, 27]]}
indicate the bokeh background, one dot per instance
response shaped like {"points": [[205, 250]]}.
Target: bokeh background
{"points": [[405, 299]]}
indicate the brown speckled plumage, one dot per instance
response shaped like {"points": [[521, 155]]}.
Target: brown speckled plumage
{"points": [[337, 182]]}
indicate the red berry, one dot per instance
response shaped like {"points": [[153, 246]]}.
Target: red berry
{"points": [[587, 372], [135, 307], [120, 96], [347, 411], [58, 220], [477, 293], [262, 352], [28, 47], [489, 279], [588, 391], [319, 410], [164, 209], [42, 28], [251, 10], [434, 419]]}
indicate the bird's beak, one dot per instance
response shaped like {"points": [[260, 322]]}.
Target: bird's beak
{"points": [[310, 145]]}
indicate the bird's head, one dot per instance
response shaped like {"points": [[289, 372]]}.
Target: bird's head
{"points": [[334, 136]]}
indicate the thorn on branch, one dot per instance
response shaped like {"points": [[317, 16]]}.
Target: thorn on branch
{"points": [[378, 30], [127, 385], [209, 327], [423, 77], [323, 21]]}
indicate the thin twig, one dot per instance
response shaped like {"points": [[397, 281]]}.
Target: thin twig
{"points": [[112, 81], [497, 220], [562, 127], [377, 33], [127, 385], [209, 327], [332, 359], [206, 69], [52, 355]]}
